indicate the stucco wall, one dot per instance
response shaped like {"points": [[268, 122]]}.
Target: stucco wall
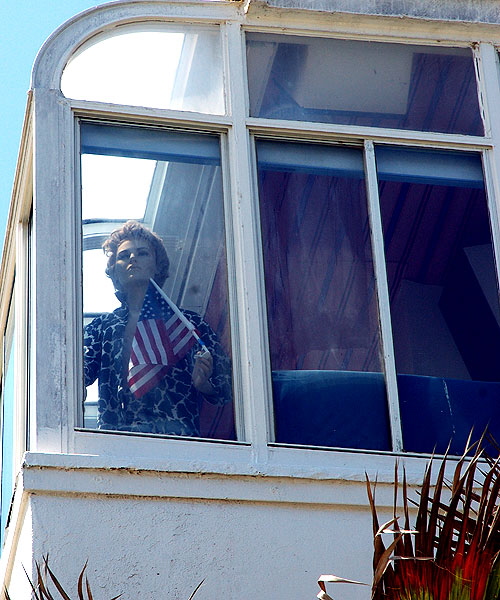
{"points": [[155, 535], [162, 548]]}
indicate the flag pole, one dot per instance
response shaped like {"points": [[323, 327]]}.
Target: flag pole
{"points": [[181, 316]]}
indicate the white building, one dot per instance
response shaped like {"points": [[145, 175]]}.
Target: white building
{"points": [[324, 174]]}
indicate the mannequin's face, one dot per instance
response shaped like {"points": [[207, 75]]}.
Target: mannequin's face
{"points": [[135, 263]]}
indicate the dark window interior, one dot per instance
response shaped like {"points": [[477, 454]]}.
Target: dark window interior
{"points": [[321, 302], [324, 336], [444, 297]]}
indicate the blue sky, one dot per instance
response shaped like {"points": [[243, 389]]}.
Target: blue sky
{"points": [[24, 26]]}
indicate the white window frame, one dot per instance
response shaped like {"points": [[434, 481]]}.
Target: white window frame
{"points": [[57, 150]]}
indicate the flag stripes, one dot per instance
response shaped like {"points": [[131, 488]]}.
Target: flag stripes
{"points": [[161, 339], [143, 378]]}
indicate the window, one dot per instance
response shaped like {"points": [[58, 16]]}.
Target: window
{"points": [[326, 207], [171, 182], [160, 66], [325, 340], [400, 86], [321, 299], [382, 299], [443, 295]]}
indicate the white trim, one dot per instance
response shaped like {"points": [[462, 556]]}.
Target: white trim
{"points": [[349, 467], [310, 27], [387, 342], [488, 70], [229, 220], [55, 308], [21, 358], [19, 507], [103, 481], [246, 233], [355, 134], [234, 320], [150, 116], [446, 10], [369, 27], [20, 208]]}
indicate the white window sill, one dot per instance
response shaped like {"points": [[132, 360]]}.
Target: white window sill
{"points": [[111, 464]]}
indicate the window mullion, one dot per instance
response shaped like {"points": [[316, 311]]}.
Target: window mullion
{"points": [[388, 359], [489, 86], [254, 382]]}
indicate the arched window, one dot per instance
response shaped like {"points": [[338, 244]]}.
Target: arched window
{"points": [[157, 66]]}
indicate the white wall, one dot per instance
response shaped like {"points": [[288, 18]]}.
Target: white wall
{"points": [[161, 546], [152, 549]]}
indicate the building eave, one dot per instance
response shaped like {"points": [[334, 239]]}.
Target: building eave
{"points": [[470, 11]]}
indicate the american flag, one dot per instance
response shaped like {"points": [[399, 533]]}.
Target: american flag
{"points": [[163, 336]]}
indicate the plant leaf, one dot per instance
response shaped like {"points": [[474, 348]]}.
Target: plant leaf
{"points": [[196, 589]]}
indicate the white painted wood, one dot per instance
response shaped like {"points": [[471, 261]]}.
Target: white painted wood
{"points": [[389, 363], [150, 116], [447, 10], [20, 208], [488, 70], [352, 133], [56, 419], [93, 475], [255, 372], [372, 26], [18, 542], [53, 274], [21, 358]]}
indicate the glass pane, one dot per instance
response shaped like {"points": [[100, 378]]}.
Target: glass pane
{"points": [[348, 82], [146, 369], [321, 302], [443, 294], [173, 67]]}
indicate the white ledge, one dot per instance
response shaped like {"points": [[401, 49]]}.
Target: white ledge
{"points": [[63, 474]]}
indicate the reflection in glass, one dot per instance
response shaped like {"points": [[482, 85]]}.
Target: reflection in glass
{"points": [[374, 84], [176, 192], [443, 294], [321, 300], [152, 66], [106, 177]]}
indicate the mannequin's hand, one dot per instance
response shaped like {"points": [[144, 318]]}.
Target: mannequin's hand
{"points": [[202, 371]]}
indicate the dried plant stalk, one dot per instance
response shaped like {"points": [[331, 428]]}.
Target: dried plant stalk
{"points": [[41, 588]]}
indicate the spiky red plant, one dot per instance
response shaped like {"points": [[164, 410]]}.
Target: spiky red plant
{"points": [[452, 553]]}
